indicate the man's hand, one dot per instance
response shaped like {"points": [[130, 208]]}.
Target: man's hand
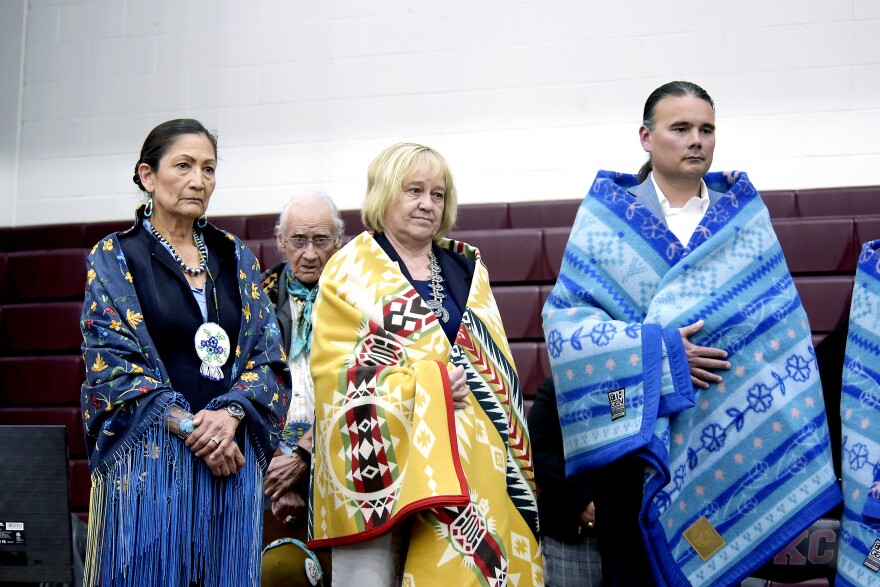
{"points": [[288, 508], [588, 516], [702, 358], [283, 473]]}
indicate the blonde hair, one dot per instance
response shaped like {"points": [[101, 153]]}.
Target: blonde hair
{"points": [[387, 174]]}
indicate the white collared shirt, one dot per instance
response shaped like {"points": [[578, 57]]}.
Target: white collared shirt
{"points": [[683, 221]]}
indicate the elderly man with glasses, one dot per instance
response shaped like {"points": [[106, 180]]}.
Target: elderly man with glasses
{"points": [[309, 231]]}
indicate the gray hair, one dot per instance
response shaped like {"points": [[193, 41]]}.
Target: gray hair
{"points": [[314, 196]]}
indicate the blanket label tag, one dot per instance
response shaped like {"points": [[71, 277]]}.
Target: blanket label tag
{"points": [[704, 538], [617, 399], [873, 559]]}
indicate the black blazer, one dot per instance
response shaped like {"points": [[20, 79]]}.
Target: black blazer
{"points": [[560, 499], [171, 313]]}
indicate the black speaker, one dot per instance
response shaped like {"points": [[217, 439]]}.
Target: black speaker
{"points": [[35, 537]]}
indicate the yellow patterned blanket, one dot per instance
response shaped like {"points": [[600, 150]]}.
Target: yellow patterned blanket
{"points": [[388, 444]]}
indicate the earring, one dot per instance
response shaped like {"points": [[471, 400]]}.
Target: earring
{"points": [[148, 209], [202, 222]]}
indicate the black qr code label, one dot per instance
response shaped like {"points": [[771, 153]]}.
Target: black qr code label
{"points": [[872, 561], [617, 399]]}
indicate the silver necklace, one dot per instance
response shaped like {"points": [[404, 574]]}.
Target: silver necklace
{"points": [[203, 253], [435, 282]]}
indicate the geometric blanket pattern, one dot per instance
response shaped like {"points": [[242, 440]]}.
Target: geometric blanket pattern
{"points": [[390, 448]]}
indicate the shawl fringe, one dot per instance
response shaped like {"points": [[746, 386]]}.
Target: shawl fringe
{"points": [[140, 507]]}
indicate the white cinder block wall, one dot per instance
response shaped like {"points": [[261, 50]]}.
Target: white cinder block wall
{"points": [[525, 99]]}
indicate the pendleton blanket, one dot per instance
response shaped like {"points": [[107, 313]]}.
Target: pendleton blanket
{"points": [[157, 515], [858, 560], [388, 444], [733, 472]]}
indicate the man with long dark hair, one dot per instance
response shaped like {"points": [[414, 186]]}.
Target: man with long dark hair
{"points": [[671, 278]]}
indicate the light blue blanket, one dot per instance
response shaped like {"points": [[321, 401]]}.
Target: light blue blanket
{"points": [[858, 561], [736, 471]]}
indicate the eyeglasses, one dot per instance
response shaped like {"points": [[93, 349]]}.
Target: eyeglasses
{"points": [[319, 242]]}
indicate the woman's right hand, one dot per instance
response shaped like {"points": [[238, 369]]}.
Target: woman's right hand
{"points": [[460, 389], [226, 460]]}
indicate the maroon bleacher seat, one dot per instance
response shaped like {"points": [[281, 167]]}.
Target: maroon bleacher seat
{"points": [[48, 327], [543, 362], [482, 217], [547, 214], [4, 280], [867, 229], [47, 275], [41, 380], [256, 248], [809, 560], [95, 231], [525, 355], [260, 226], [545, 293], [67, 416], [510, 255], [817, 245], [781, 204], [555, 240], [237, 225], [826, 299], [352, 220], [49, 236], [269, 253], [80, 484], [520, 308], [5, 231], [850, 201]]}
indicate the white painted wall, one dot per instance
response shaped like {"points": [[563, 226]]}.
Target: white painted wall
{"points": [[12, 21], [525, 99]]}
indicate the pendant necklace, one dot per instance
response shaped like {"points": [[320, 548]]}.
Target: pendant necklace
{"points": [[435, 282], [211, 341]]}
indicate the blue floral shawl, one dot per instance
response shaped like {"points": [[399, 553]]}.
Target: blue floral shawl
{"points": [[157, 515]]}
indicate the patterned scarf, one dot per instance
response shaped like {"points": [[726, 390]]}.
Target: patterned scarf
{"points": [[301, 337]]}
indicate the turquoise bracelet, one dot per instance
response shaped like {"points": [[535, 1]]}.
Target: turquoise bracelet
{"points": [[185, 428]]}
